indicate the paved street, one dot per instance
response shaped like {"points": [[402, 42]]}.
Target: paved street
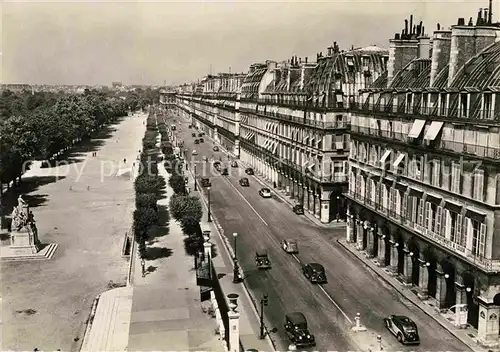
{"points": [[262, 223], [46, 303]]}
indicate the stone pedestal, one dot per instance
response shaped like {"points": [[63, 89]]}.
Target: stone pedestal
{"points": [[23, 243], [234, 331], [487, 330], [381, 251]]}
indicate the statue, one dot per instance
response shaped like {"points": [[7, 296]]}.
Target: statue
{"points": [[20, 215]]}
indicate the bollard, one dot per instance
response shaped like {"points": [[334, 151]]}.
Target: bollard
{"points": [[358, 327]]}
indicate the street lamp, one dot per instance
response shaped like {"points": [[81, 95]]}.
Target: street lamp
{"points": [[263, 302], [338, 208], [195, 183], [209, 211], [235, 235], [379, 339]]}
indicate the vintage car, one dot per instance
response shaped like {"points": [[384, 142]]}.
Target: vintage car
{"points": [[262, 260], [193, 134], [244, 182], [205, 182], [190, 126], [298, 209], [196, 141], [215, 148], [234, 163], [290, 246], [201, 140], [403, 328], [249, 171], [265, 193], [194, 152], [296, 329], [216, 164], [200, 134], [225, 171], [315, 273]]}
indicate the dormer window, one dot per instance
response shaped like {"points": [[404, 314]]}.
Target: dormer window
{"points": [[443, 103], [464, 105], [409, 103], [366, 62], [486, 113], [350, 61]]}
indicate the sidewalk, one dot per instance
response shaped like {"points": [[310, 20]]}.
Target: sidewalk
{"points": [[281, 192], [249, 326], [463, 335], [166, 311]]}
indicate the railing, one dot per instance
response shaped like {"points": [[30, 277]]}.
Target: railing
{"points": [[329, 105], [477, 260], [458, 147], [299, 120], [430, 111]]}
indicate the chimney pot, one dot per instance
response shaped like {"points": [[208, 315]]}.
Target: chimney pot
{"points": [[306, 59], [461, 21], [439, 27], [300, 60], [406, 28], [485, 17], [490, 12], [396, 36], [411, 25]]}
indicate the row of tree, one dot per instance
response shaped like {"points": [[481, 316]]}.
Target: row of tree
{"points": [[39, 125], [148, 187], [186, 209]]}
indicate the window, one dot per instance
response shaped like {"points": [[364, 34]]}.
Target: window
{"points": [[428, 216], [404, 205], [392, 200], [369, 189], [464, 102], [436, 172], [438, 222], [418, 168], [420, 218], [453, 226], [478, 180], [445, 226], [414, 209], [459, 238], [455, 177], [443, 102], [486, 105], [377, 193]]}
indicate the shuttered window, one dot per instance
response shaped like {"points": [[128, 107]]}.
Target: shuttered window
{"points": [[420, 218], [438, 220]]}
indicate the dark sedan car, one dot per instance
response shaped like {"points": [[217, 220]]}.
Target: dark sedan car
{"points": [[249, 171], [205, 182], [315, 273], [297, 331], [244, 182], [216, 148], [193, 134], [403, 328]]}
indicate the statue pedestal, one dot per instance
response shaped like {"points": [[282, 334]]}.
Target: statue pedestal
{"points": [[23, 243]]}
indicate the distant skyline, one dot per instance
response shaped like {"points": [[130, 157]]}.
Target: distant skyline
{"points": [[92, 42]]}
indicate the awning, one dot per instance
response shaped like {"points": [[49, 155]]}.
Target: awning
{"points": [[399, 159], [385, 156], [433, 130], [339, 145], [416, 129]]}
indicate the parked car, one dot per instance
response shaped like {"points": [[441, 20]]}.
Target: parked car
{"points": [[244, 182], [196, 141], [249, 171], [298, 209], [403, 328], [290, 246], [201, 140], [217, 165], [315, 273], [234, 163], [225, 171], [205, 158], [200, 134], [190, 126], [216, 148], [297, 331], [265, 193], [262, 260], [205, 182], [193, 134], [194, 152]]}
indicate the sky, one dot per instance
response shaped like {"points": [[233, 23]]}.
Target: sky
{"points": [[97, 42]]}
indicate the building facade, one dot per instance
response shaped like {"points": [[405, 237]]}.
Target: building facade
{"points": [[424, 165], [290, 120]]}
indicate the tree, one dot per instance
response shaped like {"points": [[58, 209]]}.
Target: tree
{"points": [[176, 206], [177, 183], [145, 183], [187, 210], [146, 200]]}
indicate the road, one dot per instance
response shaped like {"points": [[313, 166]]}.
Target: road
{"points": [[330, 308]]}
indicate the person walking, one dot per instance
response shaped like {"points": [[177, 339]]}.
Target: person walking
{"points": [[143, 267]]}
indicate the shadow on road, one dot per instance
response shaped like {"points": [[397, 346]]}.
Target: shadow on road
{"points": [[162, 228], [153, 253]]}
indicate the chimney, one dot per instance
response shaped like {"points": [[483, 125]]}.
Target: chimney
{"points": [[461, 21], [411, 24], [479, 20], [467, 42], [330, 51], [490, 13], [306, 59], [402, 50], [424, 46], [300, 60], [485, 17], [271, 65]]}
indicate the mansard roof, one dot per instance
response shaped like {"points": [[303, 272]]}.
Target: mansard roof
{"points": [[339, 65], [415, 75], [481, 71]]}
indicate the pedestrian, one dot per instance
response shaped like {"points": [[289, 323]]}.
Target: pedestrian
{"points": [[70, 188], [274, 184], [88, 188], [124, 160], [143, 267]]}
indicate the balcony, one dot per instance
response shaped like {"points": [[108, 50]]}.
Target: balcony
{"points": [[330, 105], [299, 120], [432, 113], [457, 147], [336, 178], [486, 264]]}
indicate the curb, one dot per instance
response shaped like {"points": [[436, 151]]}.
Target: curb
{"points": [[398, 289], [229, 252]]}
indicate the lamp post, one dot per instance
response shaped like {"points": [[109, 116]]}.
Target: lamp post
{"points": [[338, 208], [195, 183], [209, 211], [263, 303], [236, 267]]}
